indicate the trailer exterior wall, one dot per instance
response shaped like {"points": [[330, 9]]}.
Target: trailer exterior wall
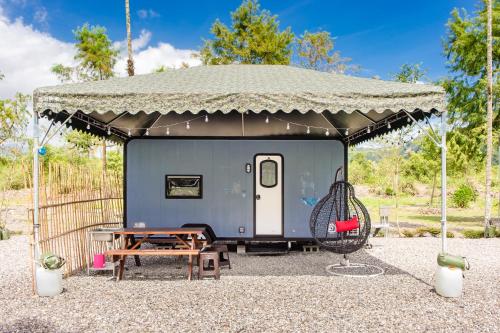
{"points": [[228, 191]]}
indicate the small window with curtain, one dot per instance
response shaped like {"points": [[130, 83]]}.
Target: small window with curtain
{"points": [[183, 186], [268, 173]]}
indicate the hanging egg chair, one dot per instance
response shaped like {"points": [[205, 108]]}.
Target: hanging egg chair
{"points": [[340, 222]]}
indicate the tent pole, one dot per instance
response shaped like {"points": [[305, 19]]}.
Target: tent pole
{"points": [[443, 181], [36, 225]]}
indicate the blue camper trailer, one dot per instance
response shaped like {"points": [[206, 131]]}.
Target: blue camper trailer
{"points": [[243, 188]]}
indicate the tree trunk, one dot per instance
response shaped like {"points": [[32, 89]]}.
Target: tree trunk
{"points": [[489, 114], [433, 188], [104, 159], [130, 61]]}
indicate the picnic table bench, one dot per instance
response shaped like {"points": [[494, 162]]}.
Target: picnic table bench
{"points": [[189, 238]]}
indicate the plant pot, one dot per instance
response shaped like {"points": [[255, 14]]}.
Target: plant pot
{"points": [[49, 282]]}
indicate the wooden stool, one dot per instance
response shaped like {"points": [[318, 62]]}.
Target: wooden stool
{"points": [[223, 252], [209, 257]]}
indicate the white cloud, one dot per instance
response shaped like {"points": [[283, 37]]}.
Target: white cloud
{"points": [[147, 13], [164, 54], [27, 56], [137, 43]]}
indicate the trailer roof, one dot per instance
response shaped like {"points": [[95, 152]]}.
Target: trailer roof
{"points": [[149, 103]]}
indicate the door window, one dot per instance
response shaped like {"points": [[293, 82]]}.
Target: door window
{"points": [[268, 173]]}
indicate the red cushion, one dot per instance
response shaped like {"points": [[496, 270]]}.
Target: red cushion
{"points": [[348, 225]]}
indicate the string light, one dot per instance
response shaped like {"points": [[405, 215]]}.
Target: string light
{"points": [[389, 125], [206, 119], [109, 130], [408, 120], [168, 131], [267, 120], [147, 131], [346, 131], [368, 130], [187, 125], [69, 121], [129, 132], [287, 126], [308, 130], [327, 133], [88, 126]]}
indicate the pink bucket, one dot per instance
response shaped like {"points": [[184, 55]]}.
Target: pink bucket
{"points": [[99, 260]]}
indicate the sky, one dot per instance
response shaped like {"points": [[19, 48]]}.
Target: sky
{"points": [[379, 36]]}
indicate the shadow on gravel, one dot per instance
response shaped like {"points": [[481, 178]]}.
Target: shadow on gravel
{"points": [[292, 264], [30, 325]]}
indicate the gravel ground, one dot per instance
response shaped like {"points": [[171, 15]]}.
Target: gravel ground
{"points": [[273, 294]]}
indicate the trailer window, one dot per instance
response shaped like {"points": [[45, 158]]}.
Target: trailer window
{"points": [[268, 173], [183, 186]]}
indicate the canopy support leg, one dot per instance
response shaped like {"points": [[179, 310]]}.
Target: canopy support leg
{"points": [[36, 170], [443, 182]]}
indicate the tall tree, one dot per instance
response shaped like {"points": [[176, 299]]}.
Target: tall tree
{"points": [[489, 112], [13, 117], [465, 46], [96, 58], [254, 38], [410, 73], [95, 52], [315, 51], [130, 61], [473, 51]]}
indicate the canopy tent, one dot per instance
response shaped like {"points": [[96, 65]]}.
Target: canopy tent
{"points": [[241, 100], [238, 98]]}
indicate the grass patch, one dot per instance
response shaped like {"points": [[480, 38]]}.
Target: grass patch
{"points": [[433, 231], [408, 233], [471, 233]]}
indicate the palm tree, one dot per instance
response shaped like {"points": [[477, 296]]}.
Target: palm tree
{"points": [[489, 114], [130, 61]]}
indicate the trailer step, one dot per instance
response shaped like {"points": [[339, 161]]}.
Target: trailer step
{"points": [[267, 249]]}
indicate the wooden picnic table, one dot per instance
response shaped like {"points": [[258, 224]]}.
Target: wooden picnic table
{"points": [[134, 237]]}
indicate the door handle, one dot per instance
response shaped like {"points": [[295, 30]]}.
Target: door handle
{"points": [[257, 197]]}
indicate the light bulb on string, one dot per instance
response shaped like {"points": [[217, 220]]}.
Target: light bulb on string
{"points": [[408, 120], [129, 132], [206, 119], [109, 130], [346, 131], [188, 126], [308, 130], [267, 120], [69, 121], [88, 126], [287, 126], [147, 131], [368, 130], [327, 133], [168, 131], [389, 125]]}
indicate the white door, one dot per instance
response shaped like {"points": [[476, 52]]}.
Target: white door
{"points": [[268, 195]]}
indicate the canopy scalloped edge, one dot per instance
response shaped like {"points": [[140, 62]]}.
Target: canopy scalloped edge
{"points": [[211, 103]]}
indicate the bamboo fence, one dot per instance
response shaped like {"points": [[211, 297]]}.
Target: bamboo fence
{"points": [[73, 201]]}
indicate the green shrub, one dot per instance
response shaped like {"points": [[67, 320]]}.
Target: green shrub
{"points": [[497, 232], [450, 234], [408, 233], [408, 188], [464, 196], [389, 192], [470, 233], [434, 231]]}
